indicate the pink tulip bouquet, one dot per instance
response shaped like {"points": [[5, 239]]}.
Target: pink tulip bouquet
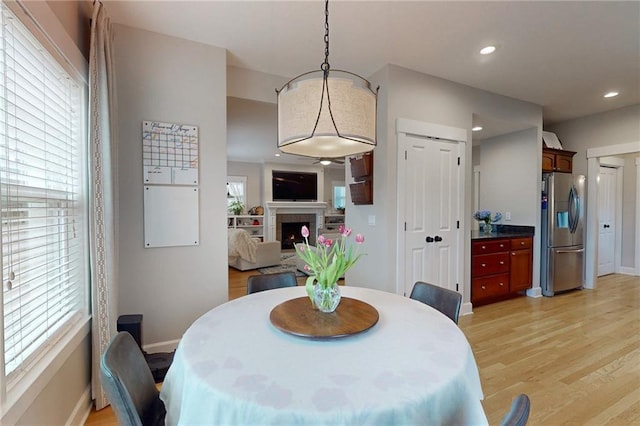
{"points": [[330, 259]]}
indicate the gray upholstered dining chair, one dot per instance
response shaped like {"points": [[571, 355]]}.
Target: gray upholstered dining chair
{"points": [[129, 384], [519, 412], [256, 283], [445, 300]]}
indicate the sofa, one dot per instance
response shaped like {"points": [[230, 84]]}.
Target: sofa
{"points": [[246, 253]]}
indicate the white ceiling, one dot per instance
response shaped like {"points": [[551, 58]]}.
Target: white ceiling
{"points": [[561, 55]]}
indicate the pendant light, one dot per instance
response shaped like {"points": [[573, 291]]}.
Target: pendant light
{"points": [[327, 113]]}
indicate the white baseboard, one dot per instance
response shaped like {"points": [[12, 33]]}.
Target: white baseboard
{"points": [[628, 271], [466, 308], [81, 411], [168, 346], [534, 292]]}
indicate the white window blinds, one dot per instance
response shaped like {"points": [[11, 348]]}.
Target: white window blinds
{"points": [[43, 242]]}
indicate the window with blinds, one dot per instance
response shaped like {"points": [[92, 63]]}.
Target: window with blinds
{"points": [[41, 197]]}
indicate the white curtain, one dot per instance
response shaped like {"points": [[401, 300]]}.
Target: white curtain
{"points": [[102, 193]]}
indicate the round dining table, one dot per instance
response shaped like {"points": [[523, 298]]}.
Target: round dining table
{"points": [[234, 367]]}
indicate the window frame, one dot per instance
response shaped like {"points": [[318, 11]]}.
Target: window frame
{"points": [[20, 393], [236, 180], [334, 185]]}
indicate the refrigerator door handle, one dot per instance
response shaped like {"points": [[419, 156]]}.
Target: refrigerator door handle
{"points": [[574, 209], [570, 251]]}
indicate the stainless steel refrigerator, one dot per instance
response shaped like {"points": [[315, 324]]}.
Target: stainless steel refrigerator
{"points": [[562, 258]]}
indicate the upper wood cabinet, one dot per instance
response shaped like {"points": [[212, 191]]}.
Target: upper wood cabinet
{"points": [[362, 173], [557, 160]]}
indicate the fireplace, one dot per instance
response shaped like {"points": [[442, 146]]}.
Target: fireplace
{"points": [[279, 212], [291, 234], [288, 227]]}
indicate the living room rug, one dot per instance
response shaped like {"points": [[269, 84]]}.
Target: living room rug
{"points": [[287, 263]]}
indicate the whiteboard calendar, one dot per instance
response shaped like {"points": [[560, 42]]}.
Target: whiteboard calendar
{"points": [[169, 153], [170, 164]]}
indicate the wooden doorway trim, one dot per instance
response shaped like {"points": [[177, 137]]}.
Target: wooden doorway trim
{"points": [[593, 165], [431, 130]]}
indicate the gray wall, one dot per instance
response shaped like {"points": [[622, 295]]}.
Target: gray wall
{"points": [[408, 94], [167, 79], [58, 399], [253, 172], [614, 127], [629, 214], [507, 168], [251, 125]]}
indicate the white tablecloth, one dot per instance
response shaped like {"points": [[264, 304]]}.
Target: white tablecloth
{"points": [[233, 367]]}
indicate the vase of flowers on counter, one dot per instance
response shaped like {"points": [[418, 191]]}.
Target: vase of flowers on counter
{"points": [[327, 263], [485, 216]]}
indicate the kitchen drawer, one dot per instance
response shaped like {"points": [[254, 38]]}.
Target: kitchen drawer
{"points": [[489, 246], [489, 264], [487, 287], [521, 243]]}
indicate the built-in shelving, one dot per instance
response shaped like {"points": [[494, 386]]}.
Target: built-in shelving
{"points": [[332, 222], [253, 224]]}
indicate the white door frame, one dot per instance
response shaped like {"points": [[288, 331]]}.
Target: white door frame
{"points": [[618, 164], [476, 195], [637, 256], [593, 166], [430, 130]]}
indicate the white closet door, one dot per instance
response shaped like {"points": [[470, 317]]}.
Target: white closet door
{"points": [[606, 220], [431, 207]]}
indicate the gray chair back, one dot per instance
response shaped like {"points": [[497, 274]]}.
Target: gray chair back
{"points": [[446, 301], [256, 283], [519, 412], [129, 384]]}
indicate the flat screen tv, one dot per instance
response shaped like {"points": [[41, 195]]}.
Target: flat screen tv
{"points": [[294, 186]]}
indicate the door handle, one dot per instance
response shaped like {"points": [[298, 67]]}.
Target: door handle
{"points": [[606, 226], [438, 238], [570, 251], [429, 239]]}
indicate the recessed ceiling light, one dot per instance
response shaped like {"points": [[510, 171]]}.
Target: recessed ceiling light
{"points": [[611, 94], [476, 128], [277, 155], [487, 50]]}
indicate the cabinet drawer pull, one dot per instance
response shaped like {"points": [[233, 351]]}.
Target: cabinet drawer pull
{"points": [[502, 262], [484, 247], [501, 284], [521, 243], [484, 288], [501, 245], [484, 265], [513, 254]]}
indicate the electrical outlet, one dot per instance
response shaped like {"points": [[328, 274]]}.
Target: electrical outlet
{"points": [[507, 216]]}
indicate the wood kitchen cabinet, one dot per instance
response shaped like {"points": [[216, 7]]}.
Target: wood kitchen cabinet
{"points": [[520, 264], [557, 160], [489, 270], [500, 268]]}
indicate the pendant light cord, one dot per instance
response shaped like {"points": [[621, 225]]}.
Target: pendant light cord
{"points": [[325, 65]]}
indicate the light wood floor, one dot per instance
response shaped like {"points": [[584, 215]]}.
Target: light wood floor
{"points": [[577, 355]]}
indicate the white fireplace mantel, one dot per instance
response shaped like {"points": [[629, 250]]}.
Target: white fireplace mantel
{"points": [[292, 207]]}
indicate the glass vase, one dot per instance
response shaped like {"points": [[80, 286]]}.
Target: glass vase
{"points": [[487, 228], [326, 298]]}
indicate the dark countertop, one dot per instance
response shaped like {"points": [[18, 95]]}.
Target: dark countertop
{"points": [[504, 231]]}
